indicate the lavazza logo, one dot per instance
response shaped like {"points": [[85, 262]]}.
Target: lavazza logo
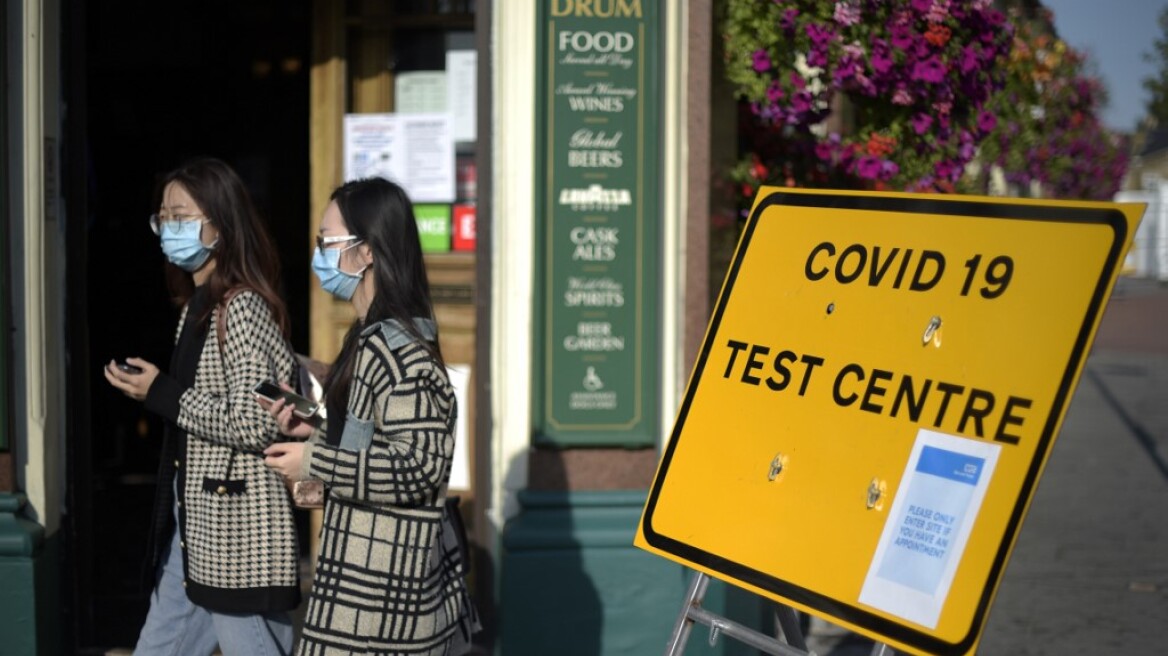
{"points": [[596, 199]]}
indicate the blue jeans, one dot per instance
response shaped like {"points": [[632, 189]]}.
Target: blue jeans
{"points": [[177, 627]]}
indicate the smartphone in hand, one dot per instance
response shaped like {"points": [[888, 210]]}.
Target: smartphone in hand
{"points": [[301, 407], [129, 368]]}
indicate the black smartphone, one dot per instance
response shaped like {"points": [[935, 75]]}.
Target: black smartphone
{"points": [[129, 368], [301, 407]]}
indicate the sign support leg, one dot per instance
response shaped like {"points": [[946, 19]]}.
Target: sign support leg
{"points": [[692, 611], [693, 599], [788, 622]]}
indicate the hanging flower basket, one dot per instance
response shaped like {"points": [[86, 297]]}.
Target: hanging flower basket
{"points": [[905, 83]]}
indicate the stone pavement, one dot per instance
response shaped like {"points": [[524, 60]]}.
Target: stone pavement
{"points": [[1089, 572]]}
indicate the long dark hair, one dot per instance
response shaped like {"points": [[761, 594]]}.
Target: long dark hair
{"points": [[379, 213], [245, 256]]}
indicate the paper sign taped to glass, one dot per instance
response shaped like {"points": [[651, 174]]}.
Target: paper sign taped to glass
{"points": [[879, 388]]}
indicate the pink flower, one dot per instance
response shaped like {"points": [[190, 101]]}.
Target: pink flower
{"points": [[846, 13], [938, 12], [901, 96]]}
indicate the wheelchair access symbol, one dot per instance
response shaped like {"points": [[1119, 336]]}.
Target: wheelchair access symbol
{"points": [[592, 382]]}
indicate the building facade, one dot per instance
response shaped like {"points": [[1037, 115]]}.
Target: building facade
{"points": [[574, 315]]}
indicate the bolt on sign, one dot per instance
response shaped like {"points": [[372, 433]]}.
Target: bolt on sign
{"points": [[880, 386]]}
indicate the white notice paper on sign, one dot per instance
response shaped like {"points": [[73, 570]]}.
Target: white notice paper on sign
{"points": [[928, 526]]}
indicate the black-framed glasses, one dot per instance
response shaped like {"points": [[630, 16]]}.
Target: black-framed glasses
{"points": [[324, 243], [158, 221]]}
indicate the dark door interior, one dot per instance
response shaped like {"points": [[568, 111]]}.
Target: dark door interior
{"points": [[148, 85]]}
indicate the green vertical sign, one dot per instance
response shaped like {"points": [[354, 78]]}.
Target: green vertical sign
{"points": [[597, 223], [5, 255]]}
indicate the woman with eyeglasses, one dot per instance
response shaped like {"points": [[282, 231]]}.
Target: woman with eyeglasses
{"points": [[389, 579], [223, 544]]}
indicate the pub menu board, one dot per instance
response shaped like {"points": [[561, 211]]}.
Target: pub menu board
{"points": [[597, 224]]}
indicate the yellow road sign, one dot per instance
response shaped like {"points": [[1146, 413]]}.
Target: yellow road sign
{"points": [[879, 388]]}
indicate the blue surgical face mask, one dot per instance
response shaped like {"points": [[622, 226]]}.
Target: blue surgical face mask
{"points": [[183, 244], [326, 265]]}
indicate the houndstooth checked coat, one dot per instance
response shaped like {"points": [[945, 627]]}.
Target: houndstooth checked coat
{"points": [[388, 579], [240, 553]]}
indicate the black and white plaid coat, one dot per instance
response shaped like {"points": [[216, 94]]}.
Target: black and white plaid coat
{"points": [[235, 516], [388, 579]]}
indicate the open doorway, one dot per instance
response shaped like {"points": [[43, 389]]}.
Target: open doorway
{"points": [[152, 84]]}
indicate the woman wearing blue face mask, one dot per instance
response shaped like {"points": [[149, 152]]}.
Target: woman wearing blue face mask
{"points": [[389, 579], [223, 543]]}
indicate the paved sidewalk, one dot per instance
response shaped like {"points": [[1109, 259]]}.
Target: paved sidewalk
{"points": [[1089, 574]]}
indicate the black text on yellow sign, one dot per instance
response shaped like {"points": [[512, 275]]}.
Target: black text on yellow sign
{"points": [[942, 405], [905, 268]]}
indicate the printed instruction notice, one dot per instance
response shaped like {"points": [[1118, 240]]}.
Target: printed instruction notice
{"points": [[928, 526]]}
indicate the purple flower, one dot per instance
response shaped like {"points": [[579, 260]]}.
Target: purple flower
{"points": [[947, 170], [762, 61], [921, 6], [868, 167], [801, 102], [774, 92], [921, 123], [881, 57], [888, 169], [969, 60], [824, 151], [929, 70], [819, 35], [787, 22], [986, 122], [901, 36], [817, 57]]}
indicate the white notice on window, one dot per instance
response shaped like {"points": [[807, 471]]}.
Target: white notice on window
{"points": [[462, 92], [429, 157], [420, 92], [928, 526], [373, 147], [413, 150]]}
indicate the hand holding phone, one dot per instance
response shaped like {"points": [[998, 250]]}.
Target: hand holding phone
{"points": [[129, 368], [301, 407]]}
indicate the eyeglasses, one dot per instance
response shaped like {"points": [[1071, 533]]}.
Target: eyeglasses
{"points": [[158, 221], [325, 242]]}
